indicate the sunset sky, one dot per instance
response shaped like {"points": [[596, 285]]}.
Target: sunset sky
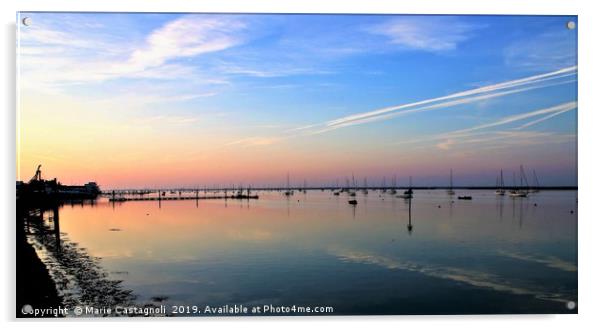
{"points": [[168, 100]]}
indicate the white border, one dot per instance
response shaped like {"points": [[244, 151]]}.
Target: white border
{"points": [[589, 135]]}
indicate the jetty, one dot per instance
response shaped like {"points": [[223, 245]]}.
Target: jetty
{"points": [[176, 198]]}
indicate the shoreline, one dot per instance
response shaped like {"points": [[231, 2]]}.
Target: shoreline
{"points": [[35, 286]]}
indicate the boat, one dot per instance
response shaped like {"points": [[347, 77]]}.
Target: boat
{"points": [[500, 191], [517, 193], [384, 185], [353, 202], [393, 191], [409, 192], [451, 191], [535, 187], [466, 197], [365, 189], [522, 190], [351, 190], [288, 191]]}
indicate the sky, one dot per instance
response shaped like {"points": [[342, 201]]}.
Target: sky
{"points": [[194, 100]]}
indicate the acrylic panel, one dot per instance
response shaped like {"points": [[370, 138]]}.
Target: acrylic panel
{"points": [[295, 165]]}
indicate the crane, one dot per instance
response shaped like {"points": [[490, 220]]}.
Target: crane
{"points": [[37, 176]]}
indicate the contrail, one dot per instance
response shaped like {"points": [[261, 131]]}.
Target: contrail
{"points": [[558, 108], [464, 97], [442, 105], [467, 132], [537, 121], [485, 89]]}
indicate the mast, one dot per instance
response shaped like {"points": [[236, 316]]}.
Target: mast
{"points": [[502, 179], [523, 176], [450, 191], [536, 183]]}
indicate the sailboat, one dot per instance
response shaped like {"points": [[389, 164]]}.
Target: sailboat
{"points": [[451, 191], [408, 194], [520, 192], [365, 190], [393, 186], [352, 201], [535, 183], [352, 190], [288, 191], [501, 191]]}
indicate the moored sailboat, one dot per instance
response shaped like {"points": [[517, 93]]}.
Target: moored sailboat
{"points": [[451, 191], [500, 189], [288, 191], [520, 191]]}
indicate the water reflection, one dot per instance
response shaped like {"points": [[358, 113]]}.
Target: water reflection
{"points": [[410, 226], [319, 249]]}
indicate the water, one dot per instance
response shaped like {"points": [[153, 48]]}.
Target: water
{"points": [[492, 254]]}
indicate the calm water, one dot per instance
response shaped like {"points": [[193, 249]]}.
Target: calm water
{"points": [[489, 255]]}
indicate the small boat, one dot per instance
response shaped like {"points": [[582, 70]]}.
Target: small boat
{"points": [[451, 191], [517, 193], [353, 188], [336, 193], [535, 183], [522, 191], [383, 187], [353, 202], [500, 191], [465, 197], [409, 193], [393, 191], [289, 192]]}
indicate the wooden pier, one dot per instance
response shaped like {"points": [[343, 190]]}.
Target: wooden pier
{"points": [[177, 198]]}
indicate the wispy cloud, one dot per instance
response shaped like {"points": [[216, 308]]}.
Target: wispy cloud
{"points": [[255, 141], [427, 33], [170, 119], [187, 36], [551, 50]]}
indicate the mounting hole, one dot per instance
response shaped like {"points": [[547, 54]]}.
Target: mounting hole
{"points": [[571, 305], [571, 25], [26, 21]]}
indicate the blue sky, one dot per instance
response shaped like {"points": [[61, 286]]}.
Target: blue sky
{"points": [[319, 96]]}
